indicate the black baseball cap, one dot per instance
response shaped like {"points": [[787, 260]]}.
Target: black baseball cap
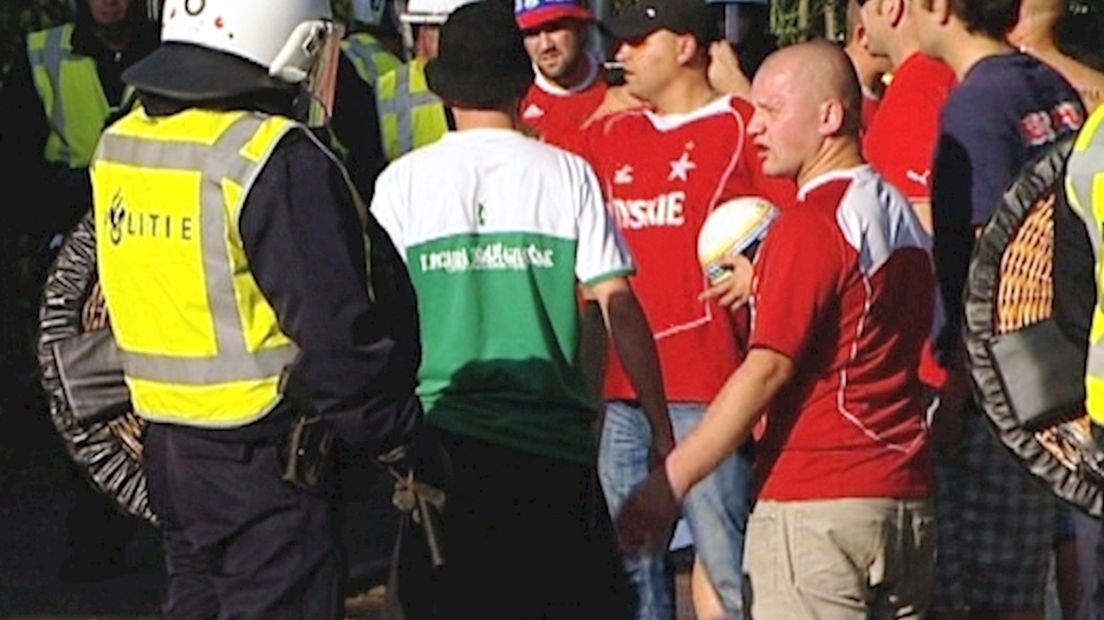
{"points": [[482, 60], [642, 18]]}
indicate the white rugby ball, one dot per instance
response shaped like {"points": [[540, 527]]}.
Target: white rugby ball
{"points": [[730, 229]]}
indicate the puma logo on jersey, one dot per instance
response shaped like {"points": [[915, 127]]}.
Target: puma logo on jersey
{"points": [[664, 210], [916, 177], [532, 111], [623, 176]]}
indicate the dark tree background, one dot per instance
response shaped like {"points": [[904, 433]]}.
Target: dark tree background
{"points": [[792, 20], [18, 17]]}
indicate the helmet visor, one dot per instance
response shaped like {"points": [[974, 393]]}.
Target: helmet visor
{"points": [[321, 82]]}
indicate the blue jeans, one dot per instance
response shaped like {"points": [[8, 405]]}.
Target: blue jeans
{"points": [[716, 508]]}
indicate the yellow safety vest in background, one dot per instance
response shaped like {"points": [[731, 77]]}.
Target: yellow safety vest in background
{"points": [[410, 115], [369, 57], [1085, 195], [71, 94], [201, 346]]}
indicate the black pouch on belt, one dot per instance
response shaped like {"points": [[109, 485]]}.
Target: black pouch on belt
{"points": [[308, 453]]}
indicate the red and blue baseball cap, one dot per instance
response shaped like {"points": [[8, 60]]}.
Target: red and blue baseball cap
{"points": [[533, 14]]}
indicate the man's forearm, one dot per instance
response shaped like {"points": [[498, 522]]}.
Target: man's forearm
{"points": [[635, 345], [593, 347], [729, 420]]}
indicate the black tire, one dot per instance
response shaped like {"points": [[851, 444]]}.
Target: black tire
{"points": [[109, 452], [1057, 456]]}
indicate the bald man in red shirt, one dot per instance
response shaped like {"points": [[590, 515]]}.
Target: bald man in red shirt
{"points": [[843, 300]]}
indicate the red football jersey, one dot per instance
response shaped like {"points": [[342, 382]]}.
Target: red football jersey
{"points": [[900, 143], [662, 176], [844, 286], [556, 114]]}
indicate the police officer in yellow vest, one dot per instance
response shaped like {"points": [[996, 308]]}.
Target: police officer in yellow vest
{"points": [[365, 46], [411, 115], [59, 92], [252, 313], [1085, 196]]}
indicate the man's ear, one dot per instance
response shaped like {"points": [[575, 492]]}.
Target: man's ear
{"points": [[688, 50], [895, 11], [833, 116], [942, 10]]}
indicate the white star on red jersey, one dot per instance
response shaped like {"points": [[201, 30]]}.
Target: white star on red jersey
{"points": [[533, 111], [681, 167]]}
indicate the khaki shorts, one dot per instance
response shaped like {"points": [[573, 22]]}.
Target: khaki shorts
{"points": [[840, 559]]}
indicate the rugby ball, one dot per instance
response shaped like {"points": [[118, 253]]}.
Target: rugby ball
{"points": [[730, 229]]}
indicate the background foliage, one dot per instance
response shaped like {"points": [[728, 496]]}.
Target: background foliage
{"points": [[18, 17], [795, 20], [791, 20]]}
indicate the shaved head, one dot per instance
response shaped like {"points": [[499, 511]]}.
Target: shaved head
{"points": [[820, 71], [807, 111]]}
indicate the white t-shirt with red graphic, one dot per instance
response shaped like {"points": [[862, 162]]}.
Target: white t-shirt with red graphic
{"points": [[662, 175], [844, 286]]}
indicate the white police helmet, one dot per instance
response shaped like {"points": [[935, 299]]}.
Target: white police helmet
{"points": [[220, 48], [431, 11]]}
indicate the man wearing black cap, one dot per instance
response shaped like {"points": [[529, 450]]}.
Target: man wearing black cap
{"points": [[254, 319], [664, 170], [498, 231]]}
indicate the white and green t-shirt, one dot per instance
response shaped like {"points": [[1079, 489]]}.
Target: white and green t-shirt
{"points": [[497, 230]]}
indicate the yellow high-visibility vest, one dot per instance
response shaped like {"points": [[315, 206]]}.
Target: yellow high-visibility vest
{"points": [[410, 114], [201, 345], [1085, 195], [71, 93], [369, 57]]}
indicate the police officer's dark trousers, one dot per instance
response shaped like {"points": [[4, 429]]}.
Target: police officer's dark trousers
{"points": [[239, 542]]}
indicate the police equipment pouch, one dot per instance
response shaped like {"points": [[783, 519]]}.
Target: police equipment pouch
{"points": [[1035, 365], [308, 453], [90, 370]]}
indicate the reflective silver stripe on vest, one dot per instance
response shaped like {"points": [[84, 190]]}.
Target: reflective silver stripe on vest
{"points": [[1081, 168], [363, 57], [50, 58], [220, 161], [1094, 366], [402, 106]]}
